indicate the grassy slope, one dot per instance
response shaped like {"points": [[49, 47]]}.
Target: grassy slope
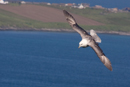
{"points": [[113, 21], [8, 19]]}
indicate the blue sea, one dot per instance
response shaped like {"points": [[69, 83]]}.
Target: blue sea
{"points": [[52, 59], [105, 3]]}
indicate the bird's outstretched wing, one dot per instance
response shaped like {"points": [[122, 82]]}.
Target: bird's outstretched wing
{"points": [[101, 55], [106, 62], [84, 34], [70, 19]]}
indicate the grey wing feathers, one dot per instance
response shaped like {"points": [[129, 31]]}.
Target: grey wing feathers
{"points": [[70, 19], [101, 55], [106, 62]]}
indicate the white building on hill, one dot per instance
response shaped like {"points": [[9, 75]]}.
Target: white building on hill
{"points": [[23, 2], [81, 6], [3, 2]]}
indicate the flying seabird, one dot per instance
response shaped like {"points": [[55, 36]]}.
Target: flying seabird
{"points": [[91, 39]]}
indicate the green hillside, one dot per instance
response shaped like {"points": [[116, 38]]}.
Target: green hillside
{"points": [[113, 21], [11, 20]]}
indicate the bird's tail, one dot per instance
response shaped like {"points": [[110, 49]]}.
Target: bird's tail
{"points": [[95, 36], [106, 62], [69, 18]]}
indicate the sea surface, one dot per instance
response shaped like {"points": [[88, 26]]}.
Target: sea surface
{"points": [[105, 3], [52, 59]]}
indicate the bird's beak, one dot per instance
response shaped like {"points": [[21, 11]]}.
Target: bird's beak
{"points": [[79, 47]]}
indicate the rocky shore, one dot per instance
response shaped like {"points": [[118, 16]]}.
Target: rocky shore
{"points": [[61, 30]]}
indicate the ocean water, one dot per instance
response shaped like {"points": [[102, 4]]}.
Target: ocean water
{"points": [[105, 3], [52, 59]]}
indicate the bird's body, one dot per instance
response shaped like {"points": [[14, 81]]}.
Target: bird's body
{"points": [[85, 42], [88, 40]]}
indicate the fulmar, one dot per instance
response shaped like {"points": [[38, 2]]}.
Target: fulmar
{"points": [[91, 39]]}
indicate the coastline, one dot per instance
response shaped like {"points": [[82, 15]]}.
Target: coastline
{"points": [[63, 30]]}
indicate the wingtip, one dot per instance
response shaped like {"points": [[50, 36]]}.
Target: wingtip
{"points": [[65, 12], [69, 17], [111, 68], [106, 62]]}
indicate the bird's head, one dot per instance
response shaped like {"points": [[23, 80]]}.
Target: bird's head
{"points": [[83, 43]]}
